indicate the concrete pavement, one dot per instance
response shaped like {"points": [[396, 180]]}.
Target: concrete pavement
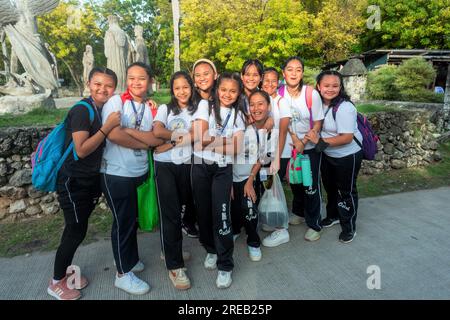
{"points": [[406, 237]]}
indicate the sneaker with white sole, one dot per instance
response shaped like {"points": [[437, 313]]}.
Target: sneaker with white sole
{"points": [[210, 261], [180, 279], [186, 256], [276, 238], [328, 222], [346, 237], [312, 235], [295, 219], [131, 284], [223, 279], [254, 253], [60, 290], [267, 228], [139, 267]]}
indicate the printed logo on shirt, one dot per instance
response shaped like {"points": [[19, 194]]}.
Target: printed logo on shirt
{"points": [[177, 124]]}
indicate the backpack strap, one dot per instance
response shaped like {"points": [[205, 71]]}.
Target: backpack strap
{"points": [[281, 90], [308, 98], [333, 112], [71, 146]]}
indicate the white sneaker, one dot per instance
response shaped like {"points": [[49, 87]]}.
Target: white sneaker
{"points": [[254, 253], [131, 284], [267, 228], [210, 261], [139, 267], [312, 235], [295, 219], [223, 279], [276, 238]]}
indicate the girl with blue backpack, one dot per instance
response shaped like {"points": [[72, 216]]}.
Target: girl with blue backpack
{"points": [[342, 154], [78, 181]]}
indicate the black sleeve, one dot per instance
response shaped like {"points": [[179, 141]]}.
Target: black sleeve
{"points": [[79, 119]]}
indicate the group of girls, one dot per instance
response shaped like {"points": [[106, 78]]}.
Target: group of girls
{"points": [[197, 137]]}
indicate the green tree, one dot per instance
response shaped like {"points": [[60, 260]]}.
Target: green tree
{"points": [[410, 24], [68, 29], [413, 79], [229, 32]]}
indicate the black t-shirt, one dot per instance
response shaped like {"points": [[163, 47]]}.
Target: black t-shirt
{"points": [[78, 120]]}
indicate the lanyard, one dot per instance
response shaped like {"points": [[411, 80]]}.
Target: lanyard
{"points": [[95, 108], [225, 123], [138, 118]]}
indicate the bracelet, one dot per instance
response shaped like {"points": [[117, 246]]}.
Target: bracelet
{"points": [[102, 132]]}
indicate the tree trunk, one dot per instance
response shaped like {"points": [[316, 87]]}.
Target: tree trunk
{"points": [[176, 34], [77, 81]]}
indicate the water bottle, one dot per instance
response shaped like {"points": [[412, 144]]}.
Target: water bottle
{"points": [[306, 171]]}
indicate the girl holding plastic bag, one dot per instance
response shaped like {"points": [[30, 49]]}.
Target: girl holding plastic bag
{"points": [[259, 149]]}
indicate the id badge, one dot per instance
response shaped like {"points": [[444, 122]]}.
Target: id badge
{"points": [[222, 162], [263, 175], [138, 153]]}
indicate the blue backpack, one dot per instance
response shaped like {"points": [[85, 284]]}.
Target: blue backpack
{"points": [[369, 143], [50, 155]]}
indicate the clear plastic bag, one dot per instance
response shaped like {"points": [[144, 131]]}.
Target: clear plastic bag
{"points": [[272, 208]]}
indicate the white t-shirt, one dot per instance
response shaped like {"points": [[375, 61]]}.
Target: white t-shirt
{"points": [[265, 152], [300, 113], [118, 160], [281, 109], [182, 123], [231, 128], [345, 123]]}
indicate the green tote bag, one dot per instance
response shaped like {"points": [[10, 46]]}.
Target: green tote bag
{"points": [[148, 213]]}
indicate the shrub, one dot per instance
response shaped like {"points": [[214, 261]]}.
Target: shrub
{"points": [[380, 83], [413, 78]]}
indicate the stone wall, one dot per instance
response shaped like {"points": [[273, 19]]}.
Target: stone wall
{"points": [[406, 140]]}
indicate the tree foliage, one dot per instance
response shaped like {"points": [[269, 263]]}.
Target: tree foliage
{"points": [[410, 24]]}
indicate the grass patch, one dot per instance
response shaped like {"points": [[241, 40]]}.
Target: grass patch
{"points": [[50, 117], [44, 234], [39, 116], [371, 108], [409, 179]]}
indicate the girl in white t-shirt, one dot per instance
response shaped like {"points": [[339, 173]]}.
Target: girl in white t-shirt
{"points": [[306, 202], [281, 113], [342, 154], [173, 123], [260, 148], [218, 135], [125, 167]]}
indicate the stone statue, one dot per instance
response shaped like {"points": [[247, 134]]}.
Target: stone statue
{"points": [[53, 62], [141, 49], [19, 24], [117, 51], [88, 65]]}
